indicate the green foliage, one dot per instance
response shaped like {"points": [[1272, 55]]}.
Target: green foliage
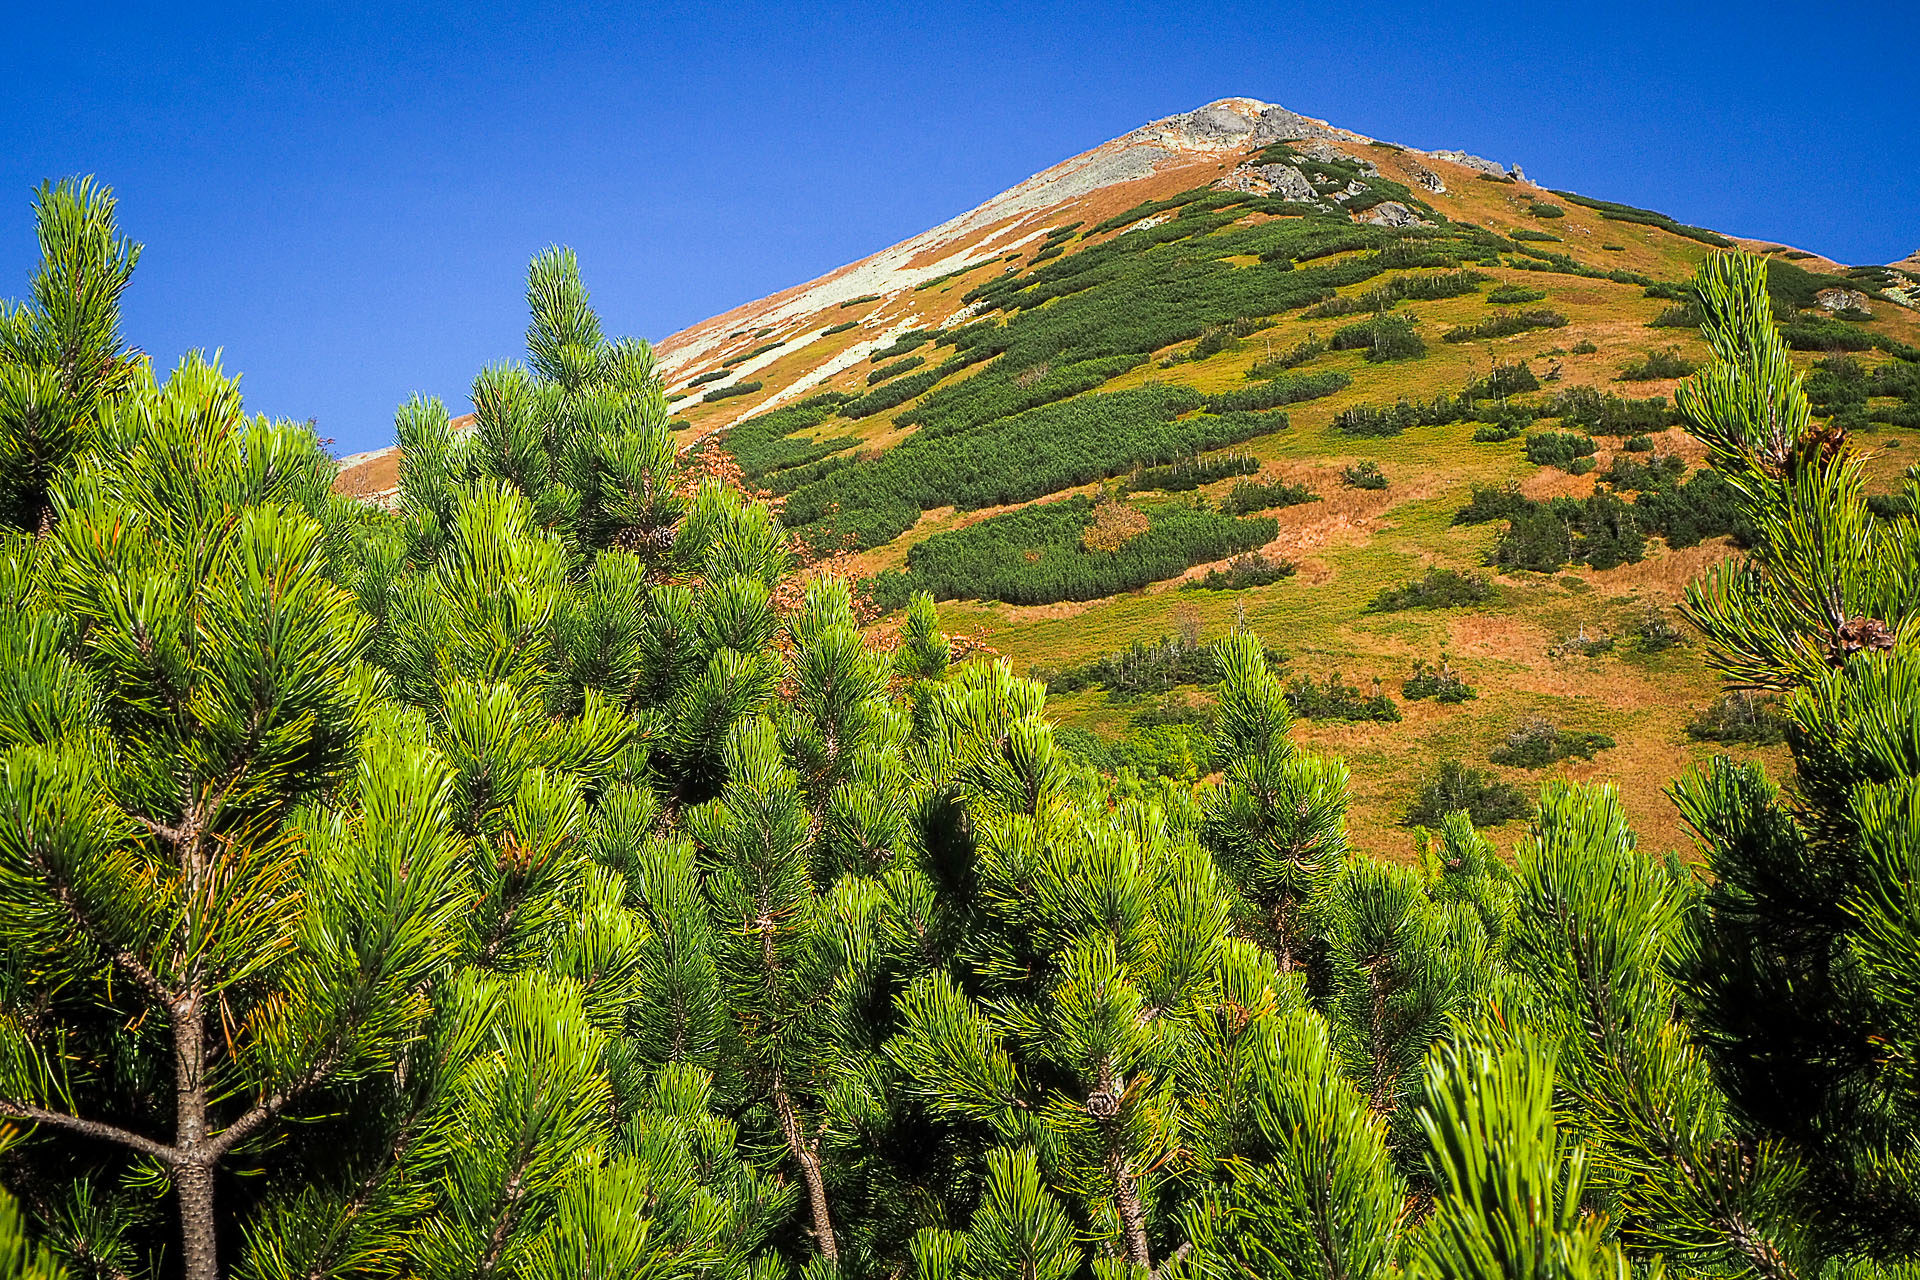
{"points": [[1668, 363], [1141, 668], [1503, 325], [845, 326], [1509, 295], [729, 392], [1562, 449], [1537, 742], [1738, 716], [895, 369], [1016, 459], [911, 340], [1251, 570], [1613, 212], [1037, 554], [539, 880], [1545, 209], [1250, 496], [1336, 700], [1438, 589], [63, 368], [1365, 474], [1454, 788], [1293, 357], [745, 356], [1528, 233], [1384, 338], [1180, 477], [1441, 683]]}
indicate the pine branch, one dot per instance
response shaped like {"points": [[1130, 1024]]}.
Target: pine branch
{"points": [[95, 1129]]}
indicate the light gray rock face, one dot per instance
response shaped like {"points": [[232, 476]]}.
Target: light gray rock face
{"points": [[1838, 299], [1326, 154], [1479, 164], [1393, 214], [1287, 182], [1281, 180], [1243, 123], [1427, 178]]}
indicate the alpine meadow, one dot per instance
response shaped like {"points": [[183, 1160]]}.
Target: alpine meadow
{"points": [[864, 792]]}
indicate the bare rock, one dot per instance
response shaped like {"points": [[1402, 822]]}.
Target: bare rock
{"points": [[1839, 299], [1393, 214], [1479, 164], [1426, 178], [1281, 180]]}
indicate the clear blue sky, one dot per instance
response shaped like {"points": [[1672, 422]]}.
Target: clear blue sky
{"points": [[346, 201]]}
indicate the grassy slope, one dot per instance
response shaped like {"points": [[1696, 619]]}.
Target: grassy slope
{"points": [[1353, 544]]}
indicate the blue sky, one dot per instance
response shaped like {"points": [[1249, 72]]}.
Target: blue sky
{"points": [[345, 199]]}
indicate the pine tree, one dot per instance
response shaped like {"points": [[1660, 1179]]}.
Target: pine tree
{"points": [[191, 957], [1803, 967], [62, 364]]}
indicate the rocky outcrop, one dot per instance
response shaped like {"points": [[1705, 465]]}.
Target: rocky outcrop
{"points": [[1281, 180], [1840, 299], [1393, 214], [1426, 177], [1479, 164]]}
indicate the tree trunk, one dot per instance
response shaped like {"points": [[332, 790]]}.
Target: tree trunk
{"points": [[193, 1183], [809, 1161], [193, 1174], [1126, 1198]]}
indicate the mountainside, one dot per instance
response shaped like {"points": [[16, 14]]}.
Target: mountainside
{"points": [[1406, 414]]}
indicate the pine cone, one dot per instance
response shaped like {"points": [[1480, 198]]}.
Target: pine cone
{"points": [[1860, 635]]}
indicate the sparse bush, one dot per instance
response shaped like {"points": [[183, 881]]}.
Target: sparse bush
{"points": [[1656, 632], [1528, 233], [1384, 338], [1250, 496], [1038, 554], [1582, 645], [1558, 448], [1292, 358], [1508, 295], [895, 369], [737, 389], [1251, 570], [1629, 475], [1504, 325], [1455, 788], [1179, 477], [745, 356], [1749, 719], [1583, 348], [1667, 363], [1338, 701], [1441, 683], [1542, 209], [1639, 444], [1439, 589], [862, 300], [900, 346], [1537, 742], [711, 376], [1365, 474], [843, 327]]}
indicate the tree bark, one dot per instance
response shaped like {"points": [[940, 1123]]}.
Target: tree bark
{"points": [[1126, 1198], [808, 1159], [193, 1172]]}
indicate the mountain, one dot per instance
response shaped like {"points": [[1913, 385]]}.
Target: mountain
{"points": [[1401, 412]]}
